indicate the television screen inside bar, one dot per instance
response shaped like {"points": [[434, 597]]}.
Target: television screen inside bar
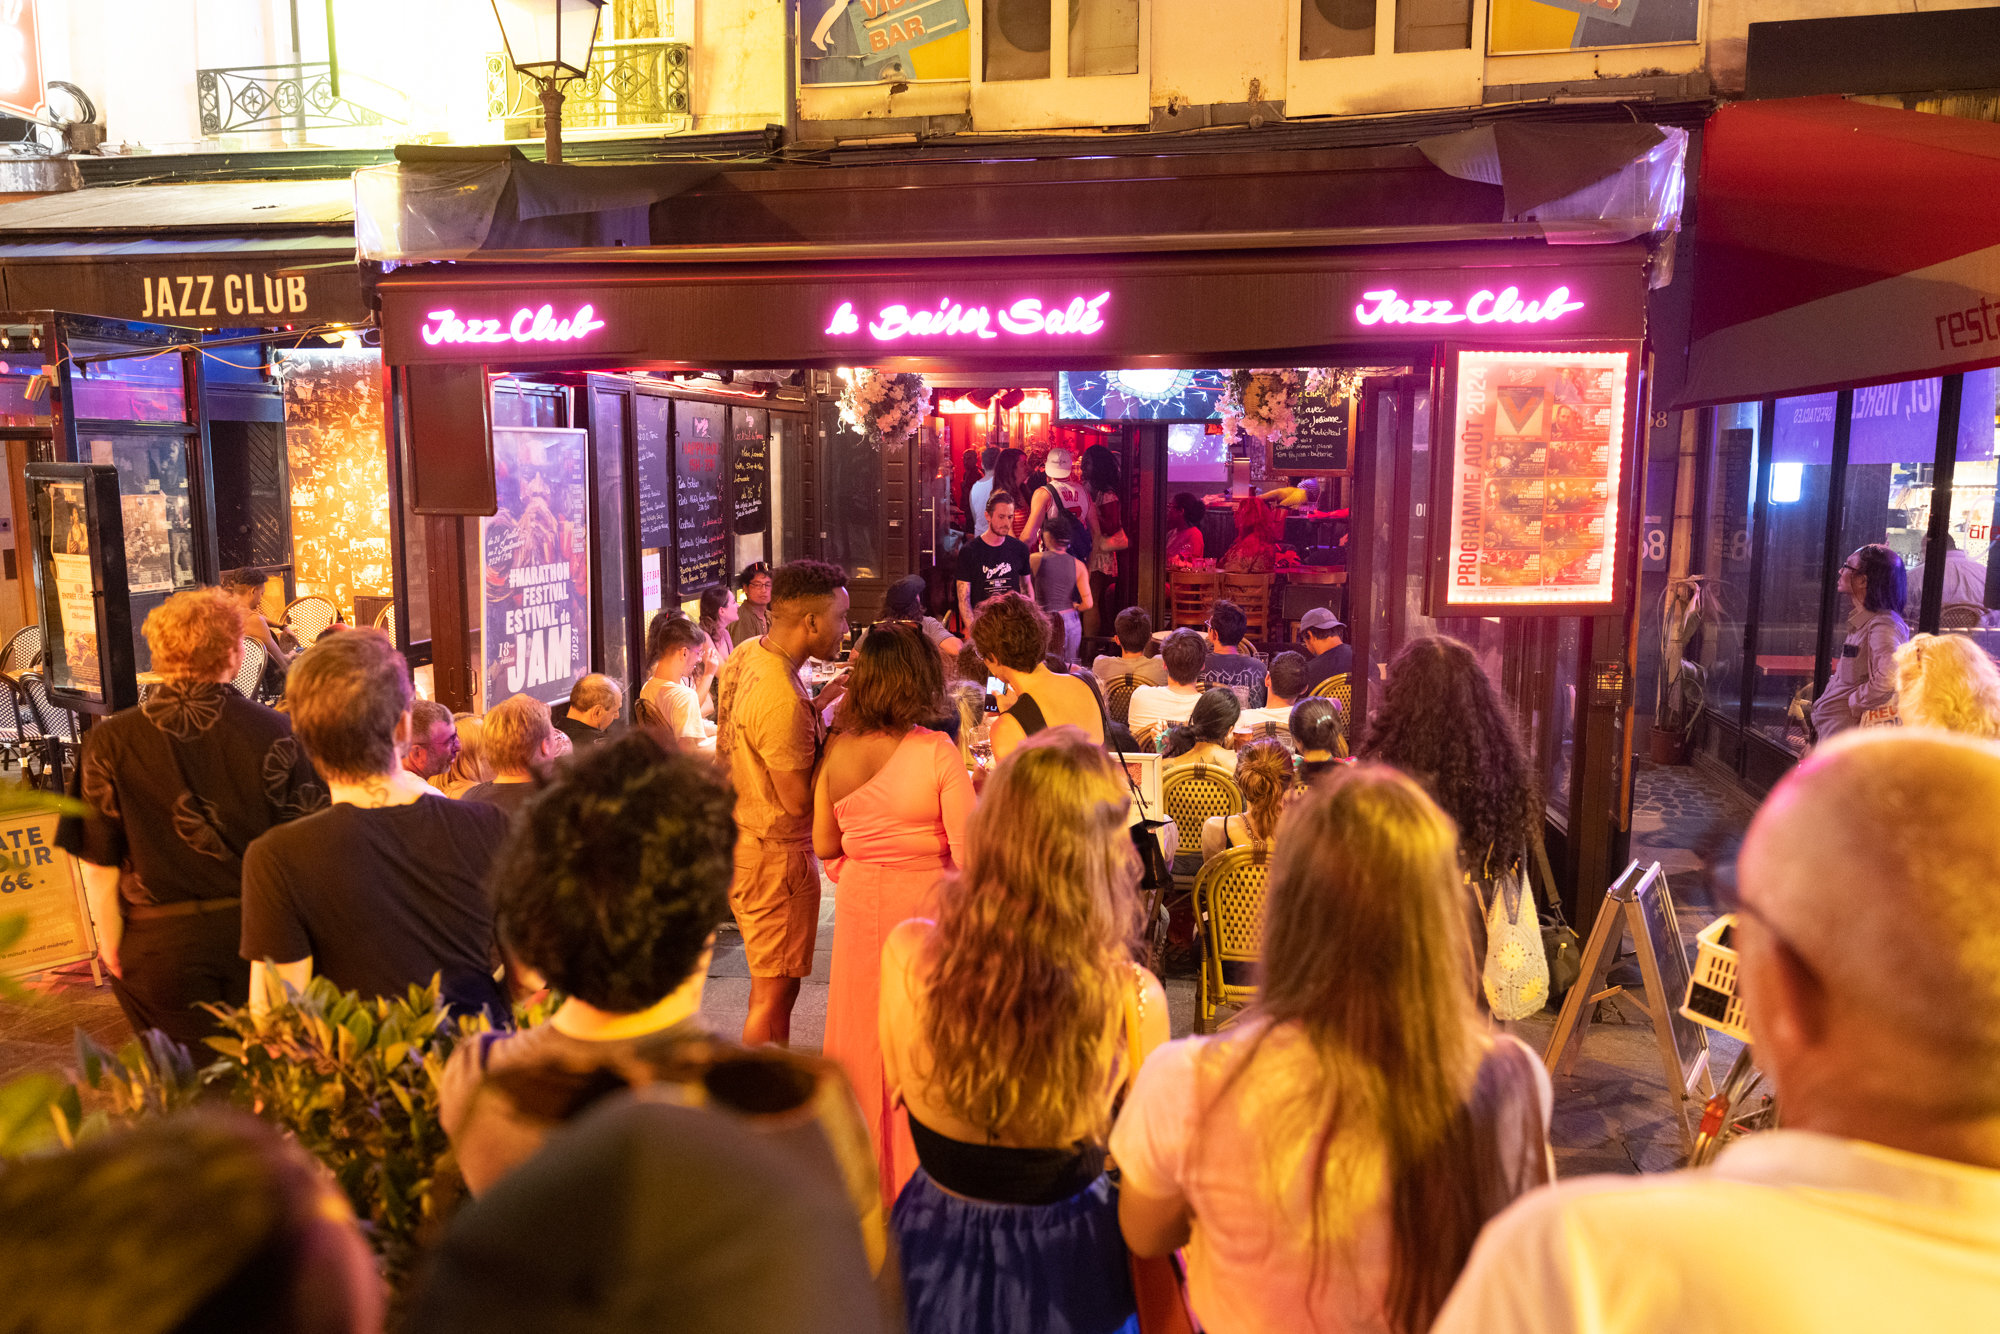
{"points": [[1149, 395]]}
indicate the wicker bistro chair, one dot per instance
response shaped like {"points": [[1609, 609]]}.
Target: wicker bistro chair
{"points": [[1191, 793], [23, 652], [1253, 593], [308, 617], [57, 728], [1340, 689], [250, 675], [1192, 593], [1229, 904], [385, 621], [17, 732], [1118, 700]]}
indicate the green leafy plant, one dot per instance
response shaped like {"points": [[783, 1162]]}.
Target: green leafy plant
{"points": [[356, 1082], [1685, 608]]}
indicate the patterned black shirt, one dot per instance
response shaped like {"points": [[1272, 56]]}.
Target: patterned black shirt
{"points": [[179, 786]]}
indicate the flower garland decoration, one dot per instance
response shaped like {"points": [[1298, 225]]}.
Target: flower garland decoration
{"points": [[891, 406], [1259, 404]]}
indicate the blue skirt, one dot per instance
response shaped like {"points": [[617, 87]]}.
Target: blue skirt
{"points": [[970, 1267]]}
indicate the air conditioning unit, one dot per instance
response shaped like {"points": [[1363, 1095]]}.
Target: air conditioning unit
{"points": [[1018, 38], [1333, 28]]}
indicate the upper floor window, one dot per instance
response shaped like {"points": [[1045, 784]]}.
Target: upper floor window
{"points": [[1516, 27], [1330, 29], [1020, 38]]}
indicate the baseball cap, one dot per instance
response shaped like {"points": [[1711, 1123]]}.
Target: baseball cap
{"points": [[1061, 463], [1320, 619]]}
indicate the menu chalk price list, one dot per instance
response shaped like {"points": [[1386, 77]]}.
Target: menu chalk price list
{"points": [[701, 539]]}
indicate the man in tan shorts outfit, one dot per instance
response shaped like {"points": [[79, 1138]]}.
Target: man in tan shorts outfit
{"points": [[768, 734]]}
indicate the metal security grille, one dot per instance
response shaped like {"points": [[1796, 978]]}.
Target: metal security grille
{"points": [[276, 97], [644, 81]]}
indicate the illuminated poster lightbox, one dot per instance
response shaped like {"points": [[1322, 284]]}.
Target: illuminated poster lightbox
{"points": [[1534, 483]]}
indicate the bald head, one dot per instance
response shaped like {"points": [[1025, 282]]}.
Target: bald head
{"points": [[1871, 889]]}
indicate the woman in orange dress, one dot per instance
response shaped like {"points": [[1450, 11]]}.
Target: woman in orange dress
{"points": [[889, 813]]}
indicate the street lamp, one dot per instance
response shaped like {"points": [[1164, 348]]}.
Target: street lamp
{"points": [[549, 41]]}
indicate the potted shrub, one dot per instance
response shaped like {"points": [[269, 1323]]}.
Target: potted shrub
{"points": [[1684, 607]]}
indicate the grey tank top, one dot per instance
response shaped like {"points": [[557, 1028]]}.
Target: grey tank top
{"points": [[1055, 582]]}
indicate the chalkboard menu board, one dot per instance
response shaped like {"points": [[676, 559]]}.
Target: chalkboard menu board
{"points": [[750, 468], [1320, 444], [656, 524], [701, 530]]}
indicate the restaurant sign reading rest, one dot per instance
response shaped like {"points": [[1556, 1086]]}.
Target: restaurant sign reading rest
{"points": [[1535, 478]]}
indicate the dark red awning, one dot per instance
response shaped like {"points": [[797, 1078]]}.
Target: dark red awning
{"points": [[1842, 244]]}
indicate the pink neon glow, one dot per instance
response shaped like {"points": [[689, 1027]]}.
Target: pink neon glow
{"points": [[1483, 308], [1022, 319], [527, 326]]}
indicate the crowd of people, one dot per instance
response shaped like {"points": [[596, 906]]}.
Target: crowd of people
{"points": [[1001, 1134]]}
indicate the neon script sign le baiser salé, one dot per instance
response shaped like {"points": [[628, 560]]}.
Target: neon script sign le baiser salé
{"points": [[1483, 308], [951, 319], [527, 326]]}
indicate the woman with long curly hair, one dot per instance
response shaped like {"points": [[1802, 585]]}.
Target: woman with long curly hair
{"points": [[890, 807], [1947, 681], [1007, 1028], [1329, 1160], [1267, 773], [1442, 722]]}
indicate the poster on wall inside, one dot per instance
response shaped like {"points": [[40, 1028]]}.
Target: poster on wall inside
{"points": [[873, 41], [338, 450], [149, 555], [75, 590], [536, 558], [1535, 483], [39, 879]]}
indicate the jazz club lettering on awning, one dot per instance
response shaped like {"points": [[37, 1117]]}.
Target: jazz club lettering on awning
{"points": [[1483, 307], [182, 295], [1024, 318]]}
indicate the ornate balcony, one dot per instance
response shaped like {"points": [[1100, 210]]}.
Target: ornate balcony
{"points": [[277, 97], [640, 83]]}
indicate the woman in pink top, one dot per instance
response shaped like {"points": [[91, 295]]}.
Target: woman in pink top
{"points": [[1328, 1161], [889, 814]]}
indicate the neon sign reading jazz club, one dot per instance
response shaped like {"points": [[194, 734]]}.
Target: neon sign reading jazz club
{"points": [[1485, 307], [951, 319], [527, 326]]}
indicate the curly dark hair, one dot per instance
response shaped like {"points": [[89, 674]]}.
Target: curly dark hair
{"points": [[1442, 722], [614, 878], [1213, 718], [805, 581], [897, 682], [1012, 631]]}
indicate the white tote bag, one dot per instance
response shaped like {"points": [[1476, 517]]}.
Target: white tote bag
{"points": [[1516, 972]]}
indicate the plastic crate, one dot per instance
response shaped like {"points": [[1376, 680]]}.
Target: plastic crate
{"points": [[1711, 996]]}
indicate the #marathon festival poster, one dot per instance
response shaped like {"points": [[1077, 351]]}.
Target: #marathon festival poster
{"points": [[1535, 480], [536, 554]]}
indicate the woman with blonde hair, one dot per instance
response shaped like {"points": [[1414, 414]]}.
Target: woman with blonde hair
{"points": [[1010, 1026], [1329, 1161], [1267, 773], [468, 768], [1949, 682]]}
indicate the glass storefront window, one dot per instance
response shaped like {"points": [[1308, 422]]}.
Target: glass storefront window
{"points": [[1794, 583], [145, 388], [1725, 558], [16, 408], [1971, 601], [607, 414], [851, 500]]}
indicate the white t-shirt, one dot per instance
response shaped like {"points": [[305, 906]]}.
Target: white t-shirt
{"points": [[1109, 669], [1251, 722], [681, 708], [1788, 1233], [1238, 1159], [1156, 707]]}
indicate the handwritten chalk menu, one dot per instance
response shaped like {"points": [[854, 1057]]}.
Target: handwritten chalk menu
{"points": [[701, 529], [1534, 486], [654, 429], [750, 469], [1320, 443]]}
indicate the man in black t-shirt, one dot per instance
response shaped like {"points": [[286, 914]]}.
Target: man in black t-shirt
{"points": [[1327, 656], [993, 563], [387, 886]]}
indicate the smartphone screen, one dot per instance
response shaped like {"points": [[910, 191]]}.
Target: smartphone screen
{"points": [[995, 686]]}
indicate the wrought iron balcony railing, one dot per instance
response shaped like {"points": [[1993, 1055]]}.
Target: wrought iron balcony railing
{"points": [[642, 82], [277, 97]]}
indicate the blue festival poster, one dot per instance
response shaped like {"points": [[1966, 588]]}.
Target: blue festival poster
{"points": [[536, 558]]}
